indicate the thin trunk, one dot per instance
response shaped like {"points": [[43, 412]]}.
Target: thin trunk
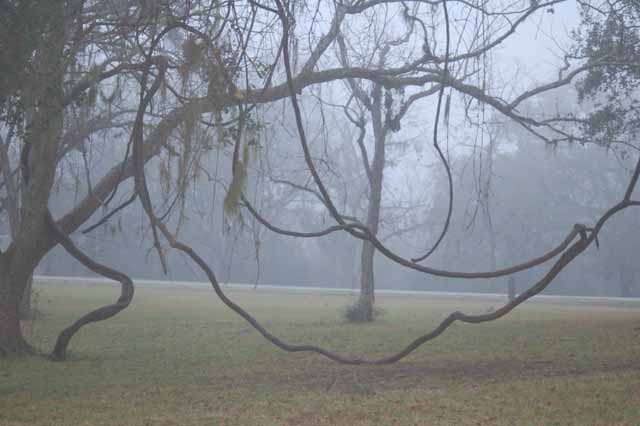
{"points": [[367, 280], [491, 236], [486, 210], [367, 284], [626, 286]]}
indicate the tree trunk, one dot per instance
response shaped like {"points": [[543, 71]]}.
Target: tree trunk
{"points": [[375, 176], [31, 240], [11, 339], [367, 284], [26, 308], [626, 282]]}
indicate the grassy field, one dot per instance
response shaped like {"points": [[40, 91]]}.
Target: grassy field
{"points": [[179, 357]]}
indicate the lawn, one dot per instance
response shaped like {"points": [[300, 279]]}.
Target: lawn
{"points": [[179, 357]]}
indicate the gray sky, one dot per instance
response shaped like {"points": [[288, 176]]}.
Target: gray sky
{"points": [[535, 52]]}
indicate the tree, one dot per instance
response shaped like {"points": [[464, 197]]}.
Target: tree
{"points": [[385, 109], [609, 33], [561, 184], [55, 74]]}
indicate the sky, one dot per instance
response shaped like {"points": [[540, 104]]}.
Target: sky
{"points": [[535, 51]]}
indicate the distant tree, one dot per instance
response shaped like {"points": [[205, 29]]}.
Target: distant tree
{"points": [[531, 211], [610, 34]]}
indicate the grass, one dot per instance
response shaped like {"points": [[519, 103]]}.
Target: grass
{"points": [[179, 357]]}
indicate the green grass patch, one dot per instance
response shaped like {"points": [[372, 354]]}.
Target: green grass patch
{"points": [[179, 357]]}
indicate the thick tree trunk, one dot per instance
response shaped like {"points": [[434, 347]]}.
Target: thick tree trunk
{"points": [[26, 308], [30, 240], [11, 339]]}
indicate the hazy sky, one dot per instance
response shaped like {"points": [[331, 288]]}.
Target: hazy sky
{"points": [[536, 49]]}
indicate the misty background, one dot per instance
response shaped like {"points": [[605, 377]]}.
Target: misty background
{"points": [[515, 197]]}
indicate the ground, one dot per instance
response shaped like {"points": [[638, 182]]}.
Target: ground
{"points": [[179, 357]]}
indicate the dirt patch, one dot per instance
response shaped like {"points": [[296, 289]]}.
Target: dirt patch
{"points": [[369, 380]]}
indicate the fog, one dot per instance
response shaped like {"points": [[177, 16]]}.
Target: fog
{"points": [[530, 213]]}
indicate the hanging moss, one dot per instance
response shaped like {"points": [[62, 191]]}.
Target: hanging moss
{"points": [[238, 184], [92, 96], [192, 52], [165, 177], [187, 147], [447, 109]]}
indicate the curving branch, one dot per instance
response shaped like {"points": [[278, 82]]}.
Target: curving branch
{"points": [[358, 230], [127, 289], [111, 213], [138, 148], [587, 237], [436, 145]]}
